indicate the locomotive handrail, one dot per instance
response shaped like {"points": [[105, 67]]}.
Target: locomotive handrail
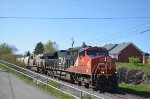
{"points": [[2, 62]]}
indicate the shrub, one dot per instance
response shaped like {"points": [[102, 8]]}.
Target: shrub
{"points": [[134, 60]]}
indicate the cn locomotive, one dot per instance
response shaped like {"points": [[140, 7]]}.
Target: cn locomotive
{"points": [[90, 66]]}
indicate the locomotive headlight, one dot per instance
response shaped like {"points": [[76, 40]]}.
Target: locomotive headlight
{"points": [[105, 59], [103, 72], [116, 72]]}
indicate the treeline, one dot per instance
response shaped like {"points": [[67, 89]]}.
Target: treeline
{"points": [[49, 47], [8, 52]]}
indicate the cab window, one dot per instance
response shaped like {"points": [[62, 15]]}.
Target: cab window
{"points": [[81, 54], [96, 53]]}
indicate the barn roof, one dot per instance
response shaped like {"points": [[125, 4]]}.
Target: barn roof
{"points": [[117, 48]]}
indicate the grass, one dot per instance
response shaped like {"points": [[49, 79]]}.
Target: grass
{"points": [[54, 84], [144, 67], [40, 85], [141, 90], [87, 97], [54, 92]]}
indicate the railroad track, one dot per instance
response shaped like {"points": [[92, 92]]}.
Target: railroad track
{"points": [[115, 94]]}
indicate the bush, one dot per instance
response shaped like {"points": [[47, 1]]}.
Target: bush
{"points": [[134, 60]]}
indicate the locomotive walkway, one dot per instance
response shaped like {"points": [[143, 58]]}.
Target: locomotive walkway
{"points": [[12, 87]]}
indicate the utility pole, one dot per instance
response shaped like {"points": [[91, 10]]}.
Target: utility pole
{"points": [[72, 51], [72, 41]]}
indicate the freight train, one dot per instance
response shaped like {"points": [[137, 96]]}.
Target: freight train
{"points": [[90, 66]]}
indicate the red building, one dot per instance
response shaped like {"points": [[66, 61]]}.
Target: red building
{"points": [[122, 52]]}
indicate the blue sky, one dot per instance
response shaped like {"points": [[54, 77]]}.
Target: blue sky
{"points": [[26, 33]]}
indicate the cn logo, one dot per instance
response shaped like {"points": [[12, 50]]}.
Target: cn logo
{"points": [[102, 66]]}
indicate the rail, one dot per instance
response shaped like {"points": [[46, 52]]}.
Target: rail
{"points": [[36, 76]]}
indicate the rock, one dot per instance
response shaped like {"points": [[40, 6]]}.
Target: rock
{"points": [[148, 77], [122, 74], [134, 77]]}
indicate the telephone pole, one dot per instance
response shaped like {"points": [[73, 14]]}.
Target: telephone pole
{"points": [[72, 42]]}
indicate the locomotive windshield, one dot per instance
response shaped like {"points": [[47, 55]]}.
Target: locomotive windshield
{"points": [[96, 53]]}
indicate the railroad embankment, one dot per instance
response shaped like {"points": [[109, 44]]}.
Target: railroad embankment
{"points": [[134, 79], [133, 76]]}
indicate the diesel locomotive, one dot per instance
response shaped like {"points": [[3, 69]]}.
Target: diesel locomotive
{"points": [[90, 66]]}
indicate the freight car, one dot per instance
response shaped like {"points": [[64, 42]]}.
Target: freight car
{"points": [[91, 67]]}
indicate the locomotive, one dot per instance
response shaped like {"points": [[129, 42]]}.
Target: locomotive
{"points": [[90, 66]]}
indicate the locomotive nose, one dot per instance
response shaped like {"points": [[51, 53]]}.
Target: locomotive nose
{"points": [[103, 65]]}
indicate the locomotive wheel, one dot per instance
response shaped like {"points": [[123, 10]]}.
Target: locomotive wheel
{"points": [[79, 83], [28, 67], [48, 73], [100, 84], [44, 70], [115, 83], [52, 74], [38, 69], [72, 78], [86, 85], [94, 88]]}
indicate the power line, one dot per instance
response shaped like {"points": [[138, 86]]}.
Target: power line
{"points": [[87, 18], [123, 36], [106, 37], [75, 18], [119, 35]]}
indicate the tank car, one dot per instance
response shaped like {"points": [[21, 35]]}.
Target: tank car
{"points": [[37, 61]]}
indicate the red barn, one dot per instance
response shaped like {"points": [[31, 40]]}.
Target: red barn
{"points": [[122, 52]]}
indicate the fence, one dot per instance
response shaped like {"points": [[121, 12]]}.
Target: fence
{"points": [[61, 87]]}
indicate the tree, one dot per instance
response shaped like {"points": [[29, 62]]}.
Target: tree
{"points": [[84, 45], [27, 53], [7, 49], [50, 47], [39, 48], [7, 52]]}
